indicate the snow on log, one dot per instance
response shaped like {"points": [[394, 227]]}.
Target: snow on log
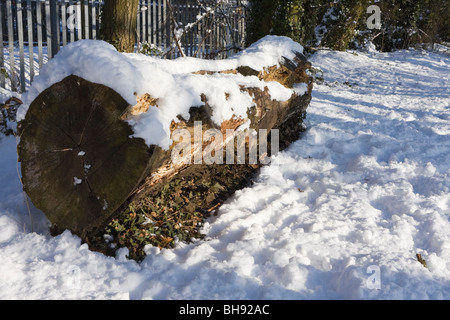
{"points": [[101, 129]]}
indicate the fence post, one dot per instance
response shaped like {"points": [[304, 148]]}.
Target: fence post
{"points": [[94, 21], [19, 23], [39, 33], [86, 19], [30, 39], [12, 72], [160, 23], [72, 27], [138, 23], [149, 21], [143, 13], [48, 28], [2, 58], [64, 22], [54, 21]]}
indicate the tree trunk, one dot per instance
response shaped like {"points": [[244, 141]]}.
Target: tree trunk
{"points": [[82, 167], [119, 24], [260, 21]]}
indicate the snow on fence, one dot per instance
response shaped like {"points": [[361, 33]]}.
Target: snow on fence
{"points": [[205, 29]]}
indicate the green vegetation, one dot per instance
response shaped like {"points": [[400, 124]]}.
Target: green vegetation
{"points": [[342, 24], [174, 213], [157, 221], [149, 49]]}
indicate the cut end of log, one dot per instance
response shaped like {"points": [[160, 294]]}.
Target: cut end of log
{"points": [[78, 161]]}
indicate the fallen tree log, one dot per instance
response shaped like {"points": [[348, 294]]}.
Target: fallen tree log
{"points": [[83, 167]]}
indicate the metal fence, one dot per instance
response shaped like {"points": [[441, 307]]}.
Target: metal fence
{"points": [[33, 31]]}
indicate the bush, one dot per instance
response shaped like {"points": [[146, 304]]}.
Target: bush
{"points": [[149, 49], [341, 24], [8, 112]]}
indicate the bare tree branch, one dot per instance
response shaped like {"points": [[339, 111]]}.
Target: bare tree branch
{"points": [[175, 29]]}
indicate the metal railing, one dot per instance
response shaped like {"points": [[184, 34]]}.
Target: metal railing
{"points": [[33, 31]]}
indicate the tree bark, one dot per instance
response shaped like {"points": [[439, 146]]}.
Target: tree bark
{"points": [[119, 24]]}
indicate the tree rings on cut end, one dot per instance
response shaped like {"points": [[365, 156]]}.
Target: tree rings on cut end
{"points": [[79, 162]]}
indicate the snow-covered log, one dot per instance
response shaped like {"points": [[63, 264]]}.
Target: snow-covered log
{"points": [[100, 132]]}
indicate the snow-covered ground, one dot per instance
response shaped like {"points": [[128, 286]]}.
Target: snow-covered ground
{"points": [[341, 214]]}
